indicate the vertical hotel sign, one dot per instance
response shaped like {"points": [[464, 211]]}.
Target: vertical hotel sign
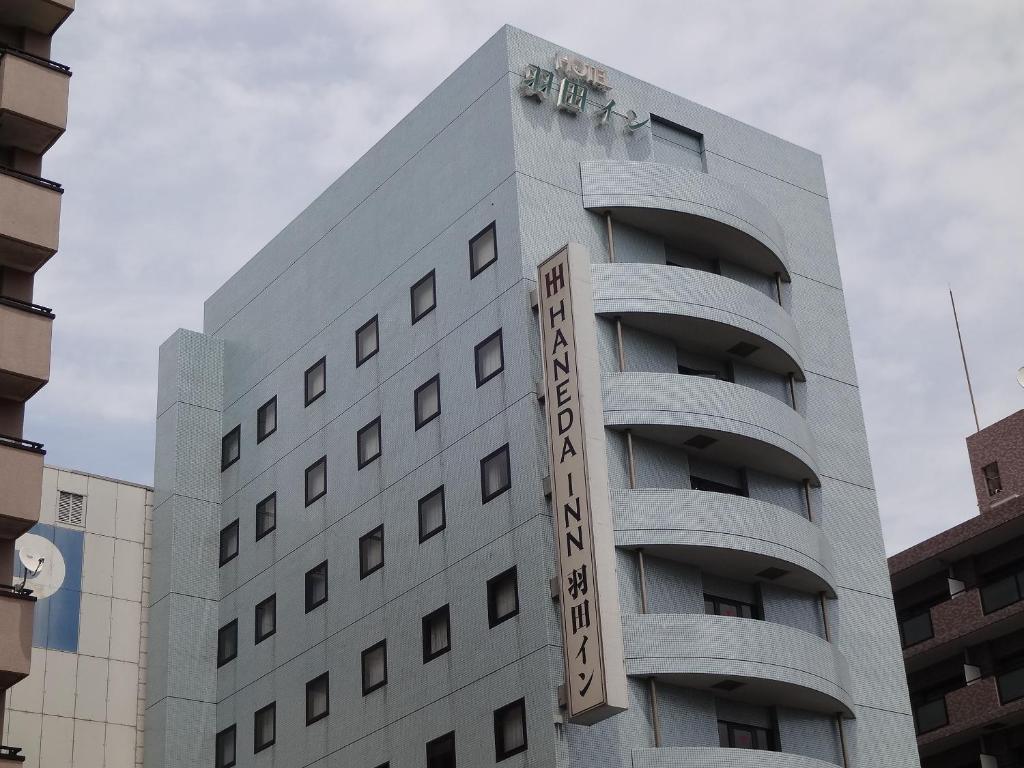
{"points": [[595, 676]]}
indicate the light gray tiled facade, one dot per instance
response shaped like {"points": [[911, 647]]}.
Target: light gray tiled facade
{"points": [[821, 671]]}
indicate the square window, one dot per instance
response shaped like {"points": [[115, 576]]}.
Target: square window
{"points": [[266, 619], [510, 730], [483, 251], [226, 748], [423, 297], [266, 516], [318, 699], [502, 597], [441, 751], [431, 514], [427, 401], [371, 552], [227, 643], [495, 474], [316, 586], [375, 667], [489, 358], [368, 443], [266, 420], [436, 634], [367, 341], [229, 542], [230, 447], [263, 727], [316, 380], [316, 480]]}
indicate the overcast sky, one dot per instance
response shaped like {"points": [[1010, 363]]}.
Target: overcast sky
{"points": [[199, 128]]}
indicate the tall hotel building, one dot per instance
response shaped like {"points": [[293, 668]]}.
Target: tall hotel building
{"points": [[33, 115], [363, 541]]}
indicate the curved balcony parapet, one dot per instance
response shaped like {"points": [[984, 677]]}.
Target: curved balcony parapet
{"points": [[746, 427], [745, 659], [701, 310], [729, 535], [692, 209], [715, 757]]}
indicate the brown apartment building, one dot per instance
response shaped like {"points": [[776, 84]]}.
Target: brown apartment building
{"points": [[960, 602], [33, 115]]}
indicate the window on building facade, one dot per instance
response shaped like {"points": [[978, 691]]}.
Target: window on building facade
{"points": [[427, 401], [441, 751], [375, 667], [227, 643], [722, 606], [502, 597], [510, 730], [489, 358], [703, 484], [225, 757], [495, 474], [229, 542], [316, 480], [264, 727], [431, 514], [483, 251], [230, 448], [367, 341], [316, 586], [423, 297], [993, 482], [266, 516], [740, 736], [436, 634], [266, 420], [368, 443], [371, 552], [71, 509], [318, 699], [266, 619], [316, 380]]}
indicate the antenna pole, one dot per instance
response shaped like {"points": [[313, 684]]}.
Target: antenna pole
{"points": [[963, 356]]}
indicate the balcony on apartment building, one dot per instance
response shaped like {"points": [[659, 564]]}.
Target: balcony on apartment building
{"points": [[25, 332], [21, 477], [33, 100], [42, 16], [29, 219]]}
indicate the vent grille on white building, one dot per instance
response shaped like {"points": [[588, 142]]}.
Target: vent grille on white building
{"points": [[71, 509]]}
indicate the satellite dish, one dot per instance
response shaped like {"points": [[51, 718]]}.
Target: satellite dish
{"points": [[1020, 377], [33, 562]]}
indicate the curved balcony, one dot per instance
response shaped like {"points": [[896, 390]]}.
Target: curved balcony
{"points": [[731, 536], [699, 310], [703, 757], [744, 659], [726, 422], [693, 210]]}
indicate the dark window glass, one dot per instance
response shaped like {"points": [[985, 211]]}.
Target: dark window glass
{"points": [[917, 628], [266, 619], [375, 667], [495, 474], [371, 552], [318, 699], [316, 586], [483, 251], [1002, 592], [266, 516], [510, 730], [316, 380], [489, 358], [722, 606], [427, 401], [266, 420], [367, 341], [316, 480], [502, 597], [741, 736], [227, 643], [441, 751], [701, 484], [930, 715], [230, 447], [436, 634], [431, 514], [368, 443], [423, 297], [263, 727], [992, 480], [226, 748], [229, 542]]}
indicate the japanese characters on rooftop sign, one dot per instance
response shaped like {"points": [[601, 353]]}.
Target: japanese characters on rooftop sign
{"points": [[595, 674]]}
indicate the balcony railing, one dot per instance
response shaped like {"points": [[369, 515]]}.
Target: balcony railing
{"points": [[27, 306], [999, 594], [31, 178], [21, 444], [916, 629], [930, 715], [44, 62], [11, 754]]}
